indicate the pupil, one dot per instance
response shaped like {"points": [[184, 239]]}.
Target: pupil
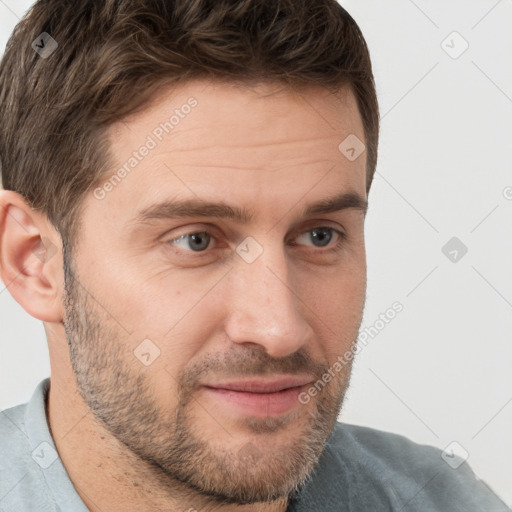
{"points": [[324, 240], [198, 237]]}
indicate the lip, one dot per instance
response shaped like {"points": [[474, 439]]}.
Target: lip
{"points": [[259, 398], [263, 385]]}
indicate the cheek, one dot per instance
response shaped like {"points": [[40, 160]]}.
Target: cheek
{"points": [[153, 300], [333, 290], [181, 326], [182, 311], [333, 306]]}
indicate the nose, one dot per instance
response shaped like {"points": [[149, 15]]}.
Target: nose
{"points": [[264, 308]]}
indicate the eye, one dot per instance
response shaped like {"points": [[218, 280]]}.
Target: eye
{"points": [[200, 241], [321, 236], [197, 241]]}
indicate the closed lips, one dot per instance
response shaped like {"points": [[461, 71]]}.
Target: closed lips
{"points": [[261, 386]]}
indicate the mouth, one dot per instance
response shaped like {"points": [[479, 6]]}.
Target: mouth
{"points": [[260, 398]]}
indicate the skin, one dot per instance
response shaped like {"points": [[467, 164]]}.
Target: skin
{"points": [[137, 437]]}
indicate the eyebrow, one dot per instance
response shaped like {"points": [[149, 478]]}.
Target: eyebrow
{"points": [[220, 210]]}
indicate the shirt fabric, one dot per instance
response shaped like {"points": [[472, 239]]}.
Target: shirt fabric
{"points": [[360, 470]]}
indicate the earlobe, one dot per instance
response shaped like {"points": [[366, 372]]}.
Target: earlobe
{"points": [[30, 259]]}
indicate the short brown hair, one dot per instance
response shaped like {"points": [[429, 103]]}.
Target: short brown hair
{"points": [[113, 54]]}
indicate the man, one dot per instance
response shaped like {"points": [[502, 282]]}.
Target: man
{"points": [[186, 185]]}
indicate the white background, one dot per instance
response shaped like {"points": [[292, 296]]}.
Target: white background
{"points": [[439, 372]]}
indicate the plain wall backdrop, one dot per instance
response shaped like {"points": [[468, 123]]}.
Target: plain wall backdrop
{"points": [[438, 236]]}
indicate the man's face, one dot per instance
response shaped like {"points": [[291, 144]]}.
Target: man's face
{"points": [[162, 309]]}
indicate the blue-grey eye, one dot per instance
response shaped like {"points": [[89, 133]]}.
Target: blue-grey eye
{"points": [[320, 237], [197, 242]]}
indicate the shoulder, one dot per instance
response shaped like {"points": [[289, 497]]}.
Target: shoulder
{"points": [[14, 446], [22, 482], [410, 475], [364, 444]]}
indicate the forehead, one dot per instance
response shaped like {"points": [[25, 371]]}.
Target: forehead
{"points": [[220, 140], [240, 115]]}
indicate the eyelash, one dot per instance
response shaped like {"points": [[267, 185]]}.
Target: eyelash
{"points": [[337, 246]]}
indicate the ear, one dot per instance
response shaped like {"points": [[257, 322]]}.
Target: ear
{"points": [[30, 258]]}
